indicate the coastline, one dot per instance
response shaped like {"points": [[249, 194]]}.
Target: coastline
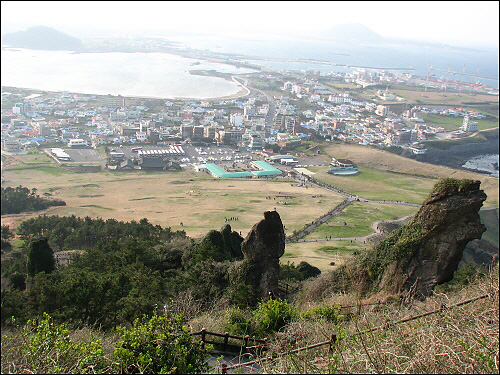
{"points": [[242, 92], [174, 84]]}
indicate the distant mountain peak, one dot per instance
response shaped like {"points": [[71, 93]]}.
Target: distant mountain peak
{"points": [[351, 32], [42, 37]]}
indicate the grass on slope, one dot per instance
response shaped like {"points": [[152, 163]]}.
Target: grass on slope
{"points": [[396, 178], [356, 220]]}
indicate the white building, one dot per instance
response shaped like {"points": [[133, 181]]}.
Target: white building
{"points": [[236, 120], [77, 142], [382, 110], [140, 136], [469, 126]]}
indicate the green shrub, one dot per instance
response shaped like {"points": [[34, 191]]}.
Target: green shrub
{"points": [[330, 313], [160, 345], [273, 314], [47, 348], [290, 273], [307, 270], [237, 323], [463, 276], [242, 295], [401, 243]]}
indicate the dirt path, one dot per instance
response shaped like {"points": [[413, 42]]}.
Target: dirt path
{"points": [[337, 211]]}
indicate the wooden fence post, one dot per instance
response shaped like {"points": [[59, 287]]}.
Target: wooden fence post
{"points": [[224, 368], [203, 334], [246, 342], [226, 340]]}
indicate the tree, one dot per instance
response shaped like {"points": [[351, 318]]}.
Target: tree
{"points": [[6, 234], [40, 257], [308, 270], [160, 345]]}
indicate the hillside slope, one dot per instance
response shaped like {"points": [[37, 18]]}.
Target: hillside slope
{"points": [[42, 37]]}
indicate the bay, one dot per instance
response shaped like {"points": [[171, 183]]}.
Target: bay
{"points": [[156, 75], [389, 54]]}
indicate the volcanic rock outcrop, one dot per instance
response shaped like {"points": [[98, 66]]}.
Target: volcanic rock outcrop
{"points": [[262, 248], [426, 251]]}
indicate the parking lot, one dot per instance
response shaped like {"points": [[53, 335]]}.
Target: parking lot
{"points": [[83, 155], [193, 155]]}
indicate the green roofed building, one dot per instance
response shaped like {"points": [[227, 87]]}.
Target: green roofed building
{"points": [[266, 169], [218, 172]]}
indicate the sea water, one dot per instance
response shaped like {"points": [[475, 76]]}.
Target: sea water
{"points": [[156, 75], [391, 54], [485, 163], [166, 75]]}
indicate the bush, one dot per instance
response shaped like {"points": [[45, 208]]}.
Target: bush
{"points": [[290, 273], [160, 345], [272, 315], [47, 348], [308, 270], [463, 276], [241, 295], [330, 313], [236, 322]]}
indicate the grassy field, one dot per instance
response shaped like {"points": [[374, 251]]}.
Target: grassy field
{"points": [[320, 254], [198, 201], [202, 203], [391, 177], [356, 220], [416, 95], [375, 184], [479, 137], [453, 123], [419, 96]]}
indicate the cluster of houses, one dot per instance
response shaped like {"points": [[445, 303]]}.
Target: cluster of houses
{"points": [[349, 119], [255, 122]]}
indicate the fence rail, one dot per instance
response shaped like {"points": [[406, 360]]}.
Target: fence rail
{"points": [[248, 343], [330, 342], [225, 368]]}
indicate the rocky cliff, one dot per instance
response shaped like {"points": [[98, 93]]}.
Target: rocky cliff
{"points": [[430, 247]]}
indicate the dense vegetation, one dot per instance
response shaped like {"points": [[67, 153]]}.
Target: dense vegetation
{"points": [[137, 285], [21, 199], [125, 270]]}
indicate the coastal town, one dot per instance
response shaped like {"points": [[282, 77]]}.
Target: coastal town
{"points": [[274, 112]]}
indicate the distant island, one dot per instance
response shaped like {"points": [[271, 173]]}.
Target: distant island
{"points": [[354, 32], [44, 38]]}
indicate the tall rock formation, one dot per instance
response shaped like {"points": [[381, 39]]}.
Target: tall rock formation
{"points": [[430, 247], [262, 248]]}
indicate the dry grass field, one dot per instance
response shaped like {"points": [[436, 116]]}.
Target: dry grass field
{"points": [[168, 199], [202, 203], [320, 254], [446, 98], [414, 95]]}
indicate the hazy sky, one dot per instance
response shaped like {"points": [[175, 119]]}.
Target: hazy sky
{"points": [[471, 23]]}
